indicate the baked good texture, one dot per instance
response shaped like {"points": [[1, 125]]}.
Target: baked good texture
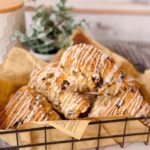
{"points": [[26, 105], [86, 82], [92, 68], [128, 103], [51, 82], [118, 93]]}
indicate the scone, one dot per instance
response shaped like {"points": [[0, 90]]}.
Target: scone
{"points": [[129, 102], [86, 69], [118, 93], [92, 69], [26, 105], [51, 82]]}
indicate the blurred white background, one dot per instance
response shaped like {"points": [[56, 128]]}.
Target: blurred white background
{"points": [[127, 20]]}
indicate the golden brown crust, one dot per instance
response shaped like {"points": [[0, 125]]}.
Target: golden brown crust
{"points": [[26, 105], [51, 82], [106, 79], [126, 103], [92, 69], [85, 68], [129, 103]]}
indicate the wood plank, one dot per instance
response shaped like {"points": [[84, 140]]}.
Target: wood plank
{"points": [[99, 7]]}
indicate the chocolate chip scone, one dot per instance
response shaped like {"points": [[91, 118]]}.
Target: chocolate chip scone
{"points": [[118, 93], [129, 102], [26, 105], [51, 82], [91, 70]]}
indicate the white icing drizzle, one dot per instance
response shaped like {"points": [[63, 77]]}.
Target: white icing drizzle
{"points": [[26, 111], [18, 115], [97, 65], [91, 58], [129, 103], [15, 107], [143, 111], [119, 102], [42, 116], [83, 56], [118, 86], [78, 101], [86, 55], [130, 79], [82, 59], [103, 58], [23, 107], [37, 115], [86, 59], [46, 118], [112, 111], [65, 55], [65, 102], [14, 118], [115, 112], [109, 77], [77, 55], [133, 108], [51, 87], [103, 70], [32, 112], [111, 107]]}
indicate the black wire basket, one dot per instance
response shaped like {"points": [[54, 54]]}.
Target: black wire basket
{"points": [[72, 141]]}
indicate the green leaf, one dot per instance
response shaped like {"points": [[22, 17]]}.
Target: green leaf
{"points": [[50, 29], [41, 35], [30, 32]]}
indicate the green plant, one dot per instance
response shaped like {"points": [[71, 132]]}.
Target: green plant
{"points": [[50, 29]]}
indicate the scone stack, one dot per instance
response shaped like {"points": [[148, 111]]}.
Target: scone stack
{"points": [[117, 93], [86, 82]]}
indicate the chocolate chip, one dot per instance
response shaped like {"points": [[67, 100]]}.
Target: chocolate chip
{"points": [[110, 59], [43, 78], [118, 105], [64, 84], [124, 88], [16, 124], [19, 122], [17, 94], [85, 114], [122, 74], [93, 79], [34, 102], [51, 75], [70, 113], [98, 81], [133, 89], [63, 87]]}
